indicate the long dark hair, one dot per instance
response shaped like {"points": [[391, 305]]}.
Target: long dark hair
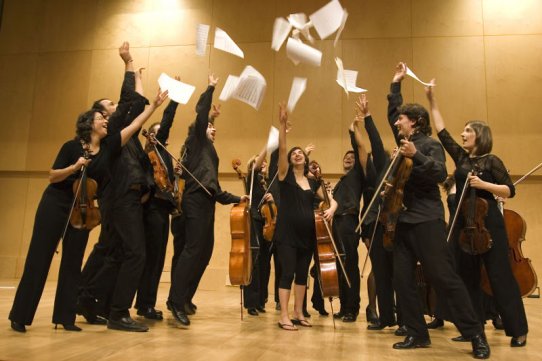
{"points": [[83, 125], [306, 167], [484, 139]]}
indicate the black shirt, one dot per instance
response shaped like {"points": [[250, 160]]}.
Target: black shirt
{"points": [[421, 194]]}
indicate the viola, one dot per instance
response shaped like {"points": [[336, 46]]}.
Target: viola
{"points": [[160, 172], [474, 238], [268, 210], [392, 195], [85, 213], [178, 190], [240, 266]]}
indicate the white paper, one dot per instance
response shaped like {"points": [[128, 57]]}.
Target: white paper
{"points": [[411, 74], [341, 79], [202, 33], [341, 28], [301, 26], [328, 19], [229, 87], [281, 29], [347, 78], [177, 91], [251, 87], [298, 20], [299, 52], [298, 88], [272, 140], [225, 43]]}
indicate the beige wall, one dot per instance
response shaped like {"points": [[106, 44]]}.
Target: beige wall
{"points": [[57, 56]]}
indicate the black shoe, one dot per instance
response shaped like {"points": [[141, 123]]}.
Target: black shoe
{"points": [[349, 317], [150, 313], [306, 313], [380, 326], [460, 339], [371, 315], [193, 305], [339, 315], [497, 322], [514, 342], [69, 327], [436, 323], [19, 327], [99, 320], [178, 314], [188, 309], [412, 342], [126, 324], [401, 331], [480, 347], [86, 307], [321, 310], [252, 312], [260, 309]]}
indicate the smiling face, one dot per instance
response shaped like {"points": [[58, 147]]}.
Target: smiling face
{"points": [[404, 125], [468, 137], [99, 125], [348, 161], [211, 132], [297, 158]]}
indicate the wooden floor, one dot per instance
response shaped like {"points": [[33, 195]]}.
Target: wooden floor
{"points": [[217, 333]]}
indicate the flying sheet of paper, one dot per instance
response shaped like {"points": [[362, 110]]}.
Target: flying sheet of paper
{"points": [[301, 53], [225, 43], [411, 74], [350, 76], [229, 87], [281, 29], [202, 33], [272, 140], [341, 28], [328, 19], [177, 91], [298, 88], [298, 20], [251, 87]]}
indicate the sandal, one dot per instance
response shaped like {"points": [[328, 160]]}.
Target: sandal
{"points": [[303, 323], [287, 327]]}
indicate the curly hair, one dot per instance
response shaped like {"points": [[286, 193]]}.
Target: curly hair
{"points": [[418, 114], [83, 125], [306, 167]]}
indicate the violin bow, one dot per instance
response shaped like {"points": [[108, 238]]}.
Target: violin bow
{"points": [[528, 174], [146, 135], [268, 188], [461, 198]]}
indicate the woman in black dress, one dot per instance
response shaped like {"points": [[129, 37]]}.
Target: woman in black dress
{"points": [[295, 233], [54, 211], [492, 180]]}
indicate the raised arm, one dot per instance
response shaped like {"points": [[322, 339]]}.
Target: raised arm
{"points": [[138, 122], [395, 98], [283, 151], [438, 120], [204, 106]]}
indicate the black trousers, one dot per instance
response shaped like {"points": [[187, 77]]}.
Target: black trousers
{"points": [[344, 229], [50, 220], [255, 293], [294, 264], [199, 217], [382, 264], [426, 242], [156, 236]]}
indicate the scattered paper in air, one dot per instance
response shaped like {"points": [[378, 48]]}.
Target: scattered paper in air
{"points": [[251, 87], [272, 140], [281, 29], [347, 78], [177, 91], [229, 87], [341, 79], [301, 53], [298, 21], [328, 19], [202, 33], [341, 28], [225, 43], [298, 88], [411, 74]]}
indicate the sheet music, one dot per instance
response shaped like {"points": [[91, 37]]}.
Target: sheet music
{"points": [[229, 87], [341, 79], [298, 88], [177, 91], [298, 20], [347, 78], [327, 19], [225, 43], [299, 52], [272, 140], [281, 29], [249, 87], [202, 33], [412, 75]]}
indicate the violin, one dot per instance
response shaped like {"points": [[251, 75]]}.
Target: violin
{"points": [[85, 213], [268, 210], [394, 184], [160, 172], [474, 238], [240, 266], [178, 190]]}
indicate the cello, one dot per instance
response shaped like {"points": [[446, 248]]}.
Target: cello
{"points": [[522, 267]]}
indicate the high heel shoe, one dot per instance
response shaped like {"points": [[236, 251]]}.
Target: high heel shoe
{"points": [[69, 327], [520, 341], [19, 327]]}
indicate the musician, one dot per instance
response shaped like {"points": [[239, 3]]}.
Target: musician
{"points": [[198, 206], [157, 212], [492, 180], [295, 232], [54, 211], [420, 233], [381, 259], [255, 293]]}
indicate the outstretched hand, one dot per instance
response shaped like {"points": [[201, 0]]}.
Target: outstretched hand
{"points": [[400, 72], [430, 91], [362, 106], [124, 52], [283, 114], [215, 112], [213, 80], [309, 148], [160, 97]]}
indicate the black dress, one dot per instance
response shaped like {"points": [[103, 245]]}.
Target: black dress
{"points": [[51, 217]]}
